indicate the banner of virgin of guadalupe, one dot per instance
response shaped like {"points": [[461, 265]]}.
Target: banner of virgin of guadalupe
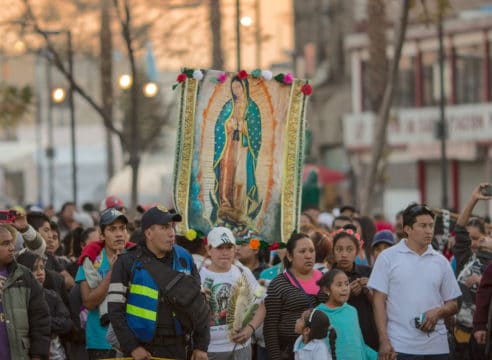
{"points": [[239, 152]]}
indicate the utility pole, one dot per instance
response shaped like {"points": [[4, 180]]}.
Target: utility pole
{"points": [[442, 128], [238, 34], [50, 150], [72, 117]]}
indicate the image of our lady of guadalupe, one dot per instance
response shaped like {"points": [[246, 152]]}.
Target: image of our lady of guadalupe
{"points": [[238, 138]]}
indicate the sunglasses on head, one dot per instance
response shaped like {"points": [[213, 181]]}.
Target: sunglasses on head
{"points": [[419, 209]]}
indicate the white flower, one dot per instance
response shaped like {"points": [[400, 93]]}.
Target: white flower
{"points": [[197, 74], [259, 292], [267, 74]]}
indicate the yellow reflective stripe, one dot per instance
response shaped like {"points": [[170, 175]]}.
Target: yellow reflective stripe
{"points": [[141, 312], [144, 290]]}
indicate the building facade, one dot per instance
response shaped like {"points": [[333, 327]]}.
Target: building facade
{"points": [[413, 171]]}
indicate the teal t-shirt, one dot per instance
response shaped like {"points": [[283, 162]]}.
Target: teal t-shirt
{"points": [[95, 334], [272, 272], [350, 343]]}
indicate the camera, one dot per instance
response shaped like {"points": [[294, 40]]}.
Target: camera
{"points": [[7, 216], [419, 321], [486, 190]]}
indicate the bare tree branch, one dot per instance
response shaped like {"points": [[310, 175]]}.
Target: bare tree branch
{"points": [[156, 130], [58, 62], [382, 118]]}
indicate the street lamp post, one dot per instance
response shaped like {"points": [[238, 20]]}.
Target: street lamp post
{"points": [[238, 34], [258, 33], [442, 129], [50, 150], [71, 105], [72, 116]]}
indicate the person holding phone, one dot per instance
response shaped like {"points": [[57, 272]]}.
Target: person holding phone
{"points": [[472, 251], [468, 230], [410, 279]]}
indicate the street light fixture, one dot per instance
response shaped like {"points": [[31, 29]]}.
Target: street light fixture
{"points": [[20, 47], [58, 95], [125, 81], [150, 89], [246, 21]]}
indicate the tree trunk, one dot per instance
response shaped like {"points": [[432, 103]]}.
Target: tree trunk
{"points": [[377, 71], [134, 153], [382, 117], [216, 30], [107, 96]]}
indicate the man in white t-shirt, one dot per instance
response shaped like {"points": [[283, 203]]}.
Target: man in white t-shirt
{"points": [[222, 278], [414, 291]]}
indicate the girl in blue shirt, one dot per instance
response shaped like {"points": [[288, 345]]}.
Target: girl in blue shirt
{"points": [[343, 317]]}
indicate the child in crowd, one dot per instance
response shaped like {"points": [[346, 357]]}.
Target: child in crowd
{"points": [[313, 327], [350, 343], [229, 332], [381, 241], [60, 317]]}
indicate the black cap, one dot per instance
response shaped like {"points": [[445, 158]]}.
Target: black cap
{"points": [[158, 215], [109, 216]]}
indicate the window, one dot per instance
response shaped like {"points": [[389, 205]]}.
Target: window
{"points": [[405, 90], [430, 78], [469, 74]]}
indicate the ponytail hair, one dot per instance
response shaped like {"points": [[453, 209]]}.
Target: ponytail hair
{"points": [[332, 338], [320, 327]]}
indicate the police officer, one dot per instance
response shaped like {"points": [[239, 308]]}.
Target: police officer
{"points": [[155, 305]]}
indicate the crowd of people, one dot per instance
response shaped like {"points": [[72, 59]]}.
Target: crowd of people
{"points": [[100, 285]]}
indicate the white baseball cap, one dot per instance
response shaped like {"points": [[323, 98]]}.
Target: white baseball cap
{"points": [[219, 236]]}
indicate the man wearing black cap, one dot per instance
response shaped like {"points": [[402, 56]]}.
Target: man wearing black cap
{"points": [[155, 305]]}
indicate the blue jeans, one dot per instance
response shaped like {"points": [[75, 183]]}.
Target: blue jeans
{"points": [[422, 357]]}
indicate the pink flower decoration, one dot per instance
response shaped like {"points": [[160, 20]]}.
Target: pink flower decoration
{"points": [[288, 78], [222, 77]]}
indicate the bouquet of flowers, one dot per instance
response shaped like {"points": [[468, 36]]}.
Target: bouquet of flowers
{"points": [[242, 306]]}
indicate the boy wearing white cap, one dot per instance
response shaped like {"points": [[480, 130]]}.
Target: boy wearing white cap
{"points": [[234, 290]]}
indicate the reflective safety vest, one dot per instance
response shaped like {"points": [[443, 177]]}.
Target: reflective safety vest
{"points": [[143, 296]]}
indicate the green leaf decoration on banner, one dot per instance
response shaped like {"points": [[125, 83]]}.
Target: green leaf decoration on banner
{"points": [[279, 78], [256, 73], [214, 80], [189, 72]]}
